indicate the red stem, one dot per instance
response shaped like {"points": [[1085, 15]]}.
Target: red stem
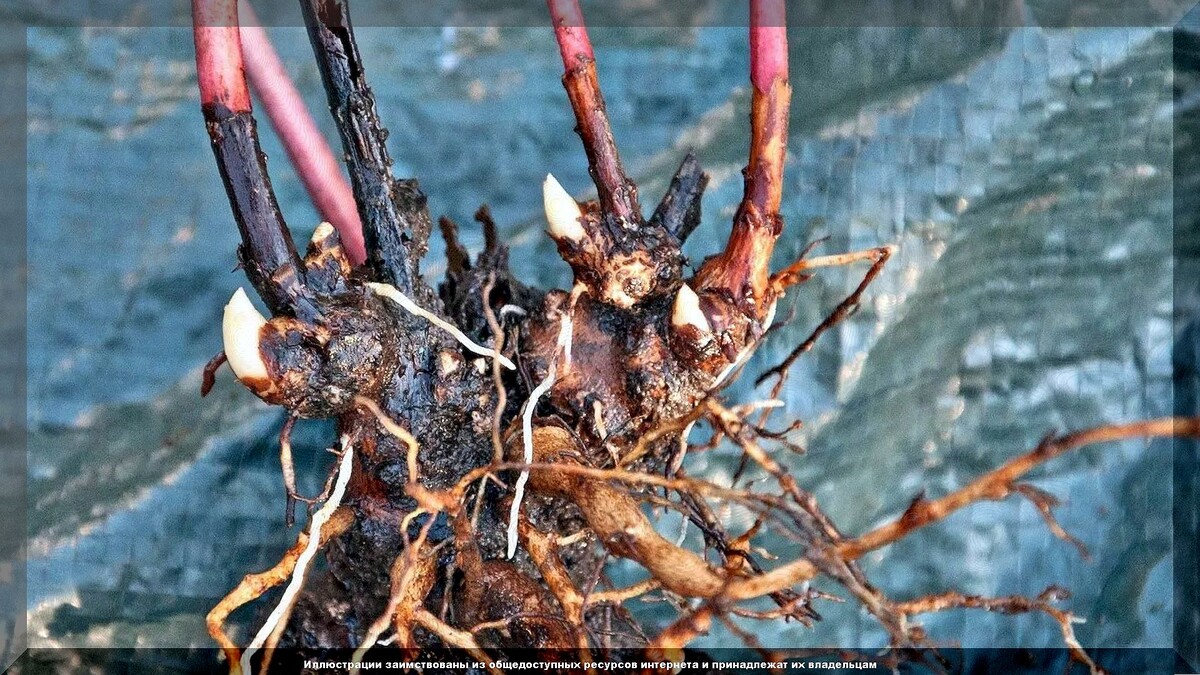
{"points": [[771, 99], [268, 254], [742, 269], [307, 148], [768, 42], [570, 31], [219, 55], [617, 194]]}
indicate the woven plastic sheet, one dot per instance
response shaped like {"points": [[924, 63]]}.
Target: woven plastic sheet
{"points": [[1025, 176]]}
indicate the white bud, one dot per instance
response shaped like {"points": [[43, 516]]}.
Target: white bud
{"points": [[562, 212], [240, 330], [687, 312]]}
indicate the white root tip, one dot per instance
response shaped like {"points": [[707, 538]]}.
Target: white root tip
{"points": [[240, 331], [562, 212], [687, 312]]}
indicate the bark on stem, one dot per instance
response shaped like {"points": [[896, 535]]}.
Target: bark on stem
{"points": [[617, 193], [305, 145], [395, 221], [743, 268], [267, 252]]}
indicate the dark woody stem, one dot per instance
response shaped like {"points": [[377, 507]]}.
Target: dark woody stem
{"points": [[679, 210], [267, 252], [618, 194], [314, 160], [743, 268], [395, 219]]}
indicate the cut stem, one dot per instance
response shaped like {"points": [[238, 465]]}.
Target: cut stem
{"points": [[770, 104], [394, 216], [219, 55], [617, 193], [743, 268], [305, 144], [768, 43], [267, 252]]}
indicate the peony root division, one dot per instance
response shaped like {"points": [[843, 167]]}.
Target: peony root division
{"points": [[502, 443]]}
